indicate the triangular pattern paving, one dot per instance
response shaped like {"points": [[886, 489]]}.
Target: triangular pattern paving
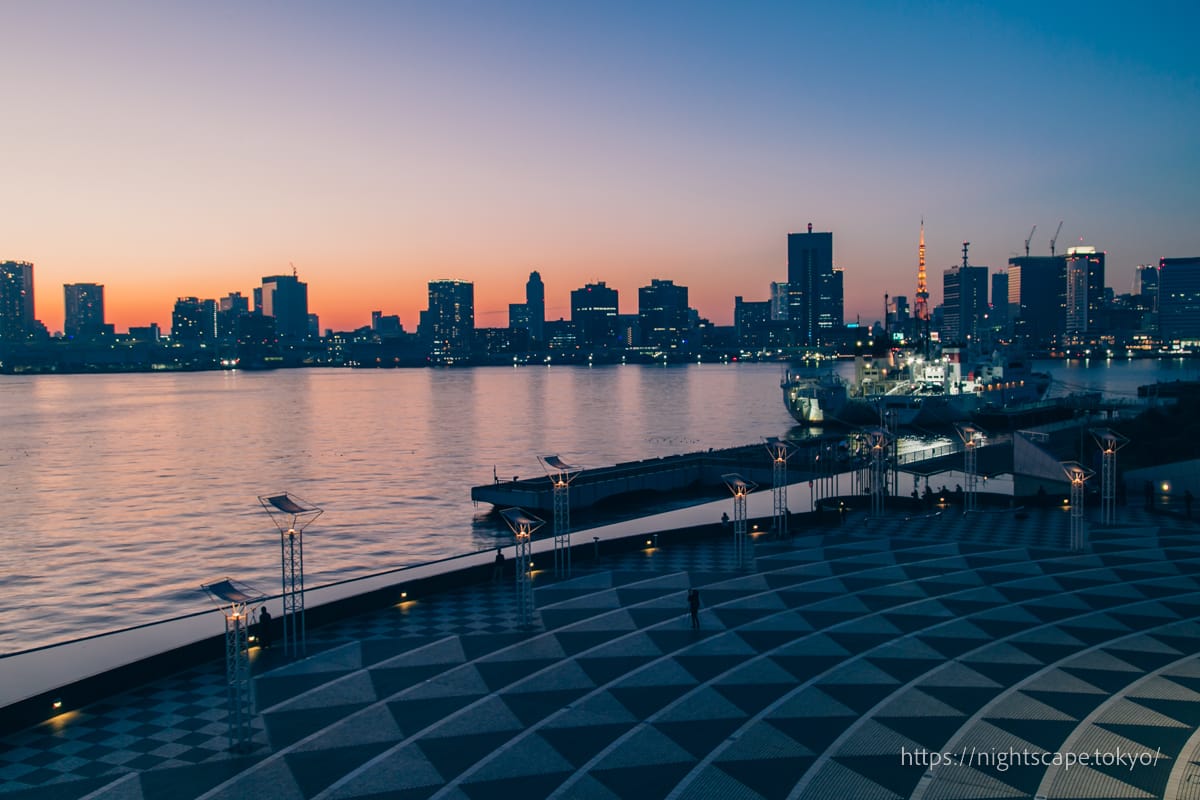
{"points": [[810, 673]]}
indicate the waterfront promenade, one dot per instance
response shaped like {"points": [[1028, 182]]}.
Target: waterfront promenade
{"points": [[824, 670]]}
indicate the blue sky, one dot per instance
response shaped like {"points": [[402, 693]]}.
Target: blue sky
{"points": [[189, 149]]}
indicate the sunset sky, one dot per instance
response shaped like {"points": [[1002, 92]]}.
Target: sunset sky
{"points": [[169, 149]]}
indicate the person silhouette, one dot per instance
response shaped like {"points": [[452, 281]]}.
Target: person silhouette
{"points": [[498, 569], [264, 628], [694, 607]]}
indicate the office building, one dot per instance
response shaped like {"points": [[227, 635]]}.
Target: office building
{"points": [[594, 314], [535, 306], [285, 298], [663, 315], [779, 300], [230, 309], [17, 322], [998, 308], [964, 302], [194, 321], [1037, 299], [1083, 302], [83, 304], [1179, 300], [815, 288], [449, 322]]}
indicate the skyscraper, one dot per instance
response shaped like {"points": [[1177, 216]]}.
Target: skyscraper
{"points": [[194, 321], [1084, 294], [1037, 298], [16, 301], [535, 306], [1179, 300], [964, 301], [814, 288], [450, 321], [663, 314], [84, 307], [594, 314], [285, 297]]}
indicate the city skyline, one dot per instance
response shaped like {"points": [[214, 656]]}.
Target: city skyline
{"points": [[175, 151]]}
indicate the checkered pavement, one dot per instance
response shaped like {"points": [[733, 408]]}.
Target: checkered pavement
{"points": [[811, 673]]}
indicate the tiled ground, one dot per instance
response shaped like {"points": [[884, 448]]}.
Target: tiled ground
{"points": [[813, 675]]}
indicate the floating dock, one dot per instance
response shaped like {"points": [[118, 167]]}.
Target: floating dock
{"points": [[657, 475]]}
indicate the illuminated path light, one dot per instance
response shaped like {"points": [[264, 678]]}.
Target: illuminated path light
{"points": [[973, 438], [561, 474], [741, 489], [291, 516], [1110, 442], [523, 525], [1077, 474], [780, 452], [234, 599], [878, 439]]}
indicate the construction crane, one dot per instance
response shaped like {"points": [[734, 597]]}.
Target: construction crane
{"points": [[1055, 239], [1029, 239]]}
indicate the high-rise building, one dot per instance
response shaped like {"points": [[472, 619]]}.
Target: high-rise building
{"points": [[285, 297], [999, 305], [1145, 285], [84, 310], [535, 306], [449, 322], [964, 301], [194, 321], [815, 288], [231, 307], [16, 301], [1179, 300], [1037, 298], [594, 314], [663, 314], [779, 300], [1084, 294]]}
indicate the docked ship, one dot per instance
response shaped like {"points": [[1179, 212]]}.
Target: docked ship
{"points": [[903, 390]]}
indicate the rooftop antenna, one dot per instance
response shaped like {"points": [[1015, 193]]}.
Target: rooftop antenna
{"points": [[1029, 239], [965, 246], [293, 266], [1055, 239]]}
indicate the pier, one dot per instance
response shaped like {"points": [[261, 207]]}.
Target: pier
{"points": [[653, 475]]}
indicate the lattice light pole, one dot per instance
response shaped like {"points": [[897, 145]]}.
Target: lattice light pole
{"points": [[234, 599], [1110, 442], [1077, 474], [780, 452], [561, 474], [741, 489], [523, 526], [878, 439], [291, 516], [973, 438]]}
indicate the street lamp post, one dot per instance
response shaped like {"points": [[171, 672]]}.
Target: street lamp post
{"points": [[973, 438], [561, 474], [878, 440], [234, 599], [1077, 474], [291, 516], [523, 526], [741, 489], [780, 452], [1109, 442]]}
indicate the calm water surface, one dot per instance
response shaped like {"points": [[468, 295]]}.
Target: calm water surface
{"points": [[122, 493]]}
